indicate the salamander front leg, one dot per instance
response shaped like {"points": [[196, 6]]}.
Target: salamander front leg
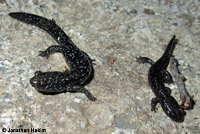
{"points": [[154, 102], [85, 91]]}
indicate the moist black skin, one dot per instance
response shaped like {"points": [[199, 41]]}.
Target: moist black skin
{"points": [[79, 62], [157, 76]]}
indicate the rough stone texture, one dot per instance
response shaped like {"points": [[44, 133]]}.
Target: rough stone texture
{"points": [[113, 33]]}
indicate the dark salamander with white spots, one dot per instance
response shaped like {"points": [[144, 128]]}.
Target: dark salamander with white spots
{"points": [[79, 62], [157, 76]]}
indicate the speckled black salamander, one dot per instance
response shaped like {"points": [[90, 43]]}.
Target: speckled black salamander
{"points": [[157, 76], [79, 62]]}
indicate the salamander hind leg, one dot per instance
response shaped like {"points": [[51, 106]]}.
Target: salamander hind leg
{"points": [[144, 60], [85, 91], [50, 50]]}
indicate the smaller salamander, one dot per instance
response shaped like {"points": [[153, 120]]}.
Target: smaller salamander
{"points": [[80, 64], [157, 76]]}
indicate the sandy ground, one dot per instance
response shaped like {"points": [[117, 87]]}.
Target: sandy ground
{"points": [[113, 33]]}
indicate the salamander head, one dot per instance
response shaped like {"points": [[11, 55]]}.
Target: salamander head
{"points": [[38, 80], [51, 82], [172, 109]]}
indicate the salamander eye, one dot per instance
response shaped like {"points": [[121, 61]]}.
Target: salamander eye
{"points": [[37, 73], [38, 82], [42, 83]]}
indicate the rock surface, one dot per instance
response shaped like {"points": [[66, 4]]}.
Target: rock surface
{"points": [[113, 33]]}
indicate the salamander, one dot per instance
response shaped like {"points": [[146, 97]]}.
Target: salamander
{"points": [[79, 62], [157, 77]]}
